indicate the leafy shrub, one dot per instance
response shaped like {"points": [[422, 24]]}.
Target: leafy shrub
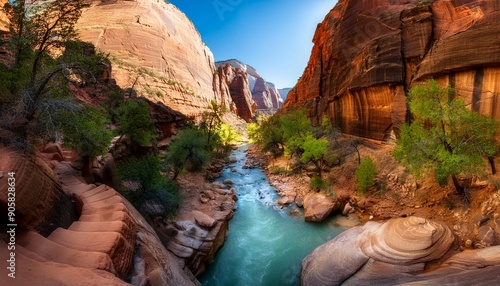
{"points": [[365, 174], [277, 170], [145, 184], [187, 151], [317, 183], [135, 121], [86, 131]]}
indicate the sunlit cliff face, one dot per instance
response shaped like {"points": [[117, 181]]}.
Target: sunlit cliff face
{"points": [[367, 54]]}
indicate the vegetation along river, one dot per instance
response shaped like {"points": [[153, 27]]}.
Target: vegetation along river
{"points": [[265, 245]]}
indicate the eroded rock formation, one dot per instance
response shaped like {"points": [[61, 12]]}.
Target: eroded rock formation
{"points": [[264, 93], [397, 252], [41, 204], [155, 49], [233, 86], [201, 228], [367, 54]]}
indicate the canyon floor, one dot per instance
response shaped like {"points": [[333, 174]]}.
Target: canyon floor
{"points": [[397, 193]]}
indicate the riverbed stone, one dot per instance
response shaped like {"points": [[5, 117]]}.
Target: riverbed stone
{"points": [[318, 206], [203, 220]]}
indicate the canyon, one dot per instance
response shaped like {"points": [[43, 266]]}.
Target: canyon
{"points": [[368, 54]]}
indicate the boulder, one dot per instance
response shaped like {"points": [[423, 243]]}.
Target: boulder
{"points": [[397, 252], [318, 206], [204, 220]]}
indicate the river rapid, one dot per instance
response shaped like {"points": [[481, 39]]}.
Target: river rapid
{"points": [[265, 244]]}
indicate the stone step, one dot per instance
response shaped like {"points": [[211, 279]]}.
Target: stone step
{"points": [[113, 244], [31, 270], [99, 196], [93, 191], [104, 209], [103, 203], [51, 251], [107, 216], [128, 231]]}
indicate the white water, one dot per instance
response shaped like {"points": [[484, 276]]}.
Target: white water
{"points": [[265, 245]]}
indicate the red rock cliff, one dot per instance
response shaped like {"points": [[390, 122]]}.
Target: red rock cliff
{"points": [[156, 50], [264, 93], [367, 54]]}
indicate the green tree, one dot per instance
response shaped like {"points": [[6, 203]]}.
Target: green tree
{"points": [[315, 150], [86, 132], [271, 136], [187, 151], [445, 136], [296, 128], [227, 136], [144, 183], [134, 120], [212, 120], [365, 174], [36, 81]]}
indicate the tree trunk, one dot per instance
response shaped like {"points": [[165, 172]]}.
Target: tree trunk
{"points": [[492, 164], [463, 192]]}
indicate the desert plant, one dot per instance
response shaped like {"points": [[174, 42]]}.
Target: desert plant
{"points": [[187, 151], [365, 174], [145, 184], [445, 137]]}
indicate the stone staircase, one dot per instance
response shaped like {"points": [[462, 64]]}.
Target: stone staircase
{"points": [[99, 245]]}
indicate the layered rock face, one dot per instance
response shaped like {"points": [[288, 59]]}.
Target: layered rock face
{"points": [[41, 204], [232, 84], [398, 252], [264, 93], [155, 49], [367, 54]]}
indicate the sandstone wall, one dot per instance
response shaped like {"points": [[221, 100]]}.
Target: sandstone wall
{"points": [[368, 54], [155, 49], [264, 93], [41, 204], [232, 84]]}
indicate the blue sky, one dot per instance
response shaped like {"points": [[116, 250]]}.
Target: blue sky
{"points": [[273, 36]]}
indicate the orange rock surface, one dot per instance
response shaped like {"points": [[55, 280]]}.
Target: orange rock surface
{"points": [[155, 49], [368, 54]]}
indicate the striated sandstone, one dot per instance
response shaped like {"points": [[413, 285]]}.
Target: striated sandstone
{"points": [[155, 49], [368, 54], [233, 86], [41, 204], [264, 93], [397, 252]]}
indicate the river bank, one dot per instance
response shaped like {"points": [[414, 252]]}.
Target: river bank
{"points": [[397, 193]]}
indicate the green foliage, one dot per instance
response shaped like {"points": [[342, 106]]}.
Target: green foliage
{"points": [[271, 136], [135, 121], [317, 183], [211, 121], [35, 82], [86, 132], [253, 132], [189, 150], [147, 185], [277, 170], [365, 174], [315, 150], [446, 137], [227, 135]]}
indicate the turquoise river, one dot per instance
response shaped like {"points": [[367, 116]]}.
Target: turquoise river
{"points": [[265, 244]]}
